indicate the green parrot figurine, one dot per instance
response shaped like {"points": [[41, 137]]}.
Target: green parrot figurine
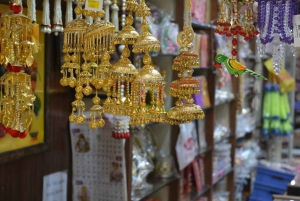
{"points": [[234, 67]]}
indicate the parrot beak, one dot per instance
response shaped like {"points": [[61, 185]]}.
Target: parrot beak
{"points": [[217, 65]]}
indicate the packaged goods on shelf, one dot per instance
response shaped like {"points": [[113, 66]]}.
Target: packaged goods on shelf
{"points": [[271, 178], [200, 45]]}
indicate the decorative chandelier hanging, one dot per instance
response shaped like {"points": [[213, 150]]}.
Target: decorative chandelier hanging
{"points": [[19, 35], [126, 88], [231, 24], [186, 86], [148, 79], [123, 72], [73, 48], [275, 22], [122, 75], [87, 48]]}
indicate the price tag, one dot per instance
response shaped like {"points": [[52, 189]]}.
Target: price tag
{"points": [[94, 5], [296, 30]]}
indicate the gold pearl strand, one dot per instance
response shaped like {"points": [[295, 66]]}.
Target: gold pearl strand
{"points": [[148, 78], [187, 85]]}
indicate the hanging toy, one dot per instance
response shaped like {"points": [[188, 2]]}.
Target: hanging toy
{"points": [[234, 67], [57, 26]]}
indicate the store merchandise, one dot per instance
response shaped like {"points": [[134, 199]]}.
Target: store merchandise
{"points": [[121, 127], [293, 187], [185, 147], [186, 85], [221, 196], [142, 165], [46, 23], [271, 178], [221, 161], [165, 166], [169, 33], [234, 67], [57, 19], [231, 22], [69, 11], [245, 123], [201, 134], [200, 47], [148, 78], [198, 10], [245, 163], [19, 42], [275, 22], [202, 99], [276, 112], [220, 132], [198, 171], [121, 73], [297, 94]]}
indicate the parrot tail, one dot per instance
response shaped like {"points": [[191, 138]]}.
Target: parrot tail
{"points": [[256, 75]]}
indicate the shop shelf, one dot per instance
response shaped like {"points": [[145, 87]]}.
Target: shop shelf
{"points": [[224, 138], [194, 194], [156, 183], [201, 25], [224, 175]]}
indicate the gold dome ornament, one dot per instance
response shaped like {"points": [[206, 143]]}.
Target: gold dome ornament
{"points": [[187, 85], [97, 50], [148, 79], [18, 42], [123, 72], [87, 47], [74, 35]]}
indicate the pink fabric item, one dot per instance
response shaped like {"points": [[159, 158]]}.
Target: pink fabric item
{"points": [[198, 10]]}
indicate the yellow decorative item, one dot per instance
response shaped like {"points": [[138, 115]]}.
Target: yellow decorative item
{"points": [[18, 43], [73, 48], [87, 48], [87, 68], [148, 79], [187, 85], [123, 73]]}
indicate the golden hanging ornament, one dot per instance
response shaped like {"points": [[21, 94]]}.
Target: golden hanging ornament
{"points": [[74, 35], [88, 48], [187, 85], [18, 42], [98, 47], [148, 79], [123, 73]]}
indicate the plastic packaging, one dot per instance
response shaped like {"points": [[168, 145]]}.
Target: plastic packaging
{"points": [[169, 32]]}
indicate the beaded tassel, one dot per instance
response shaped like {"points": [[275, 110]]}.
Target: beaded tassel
{"points": [[57, 19], [46, 23]]}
